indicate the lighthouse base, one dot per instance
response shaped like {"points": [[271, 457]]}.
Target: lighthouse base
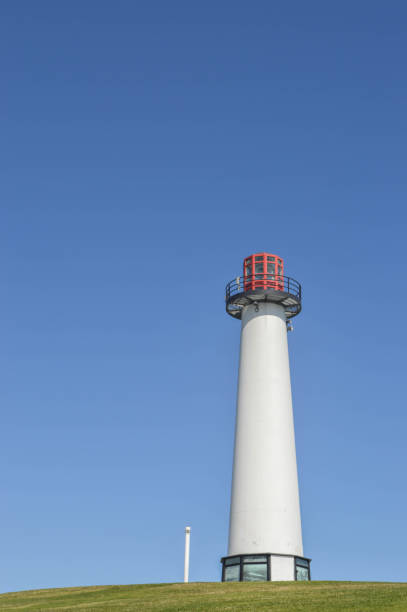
{"points": [[265, 567]]}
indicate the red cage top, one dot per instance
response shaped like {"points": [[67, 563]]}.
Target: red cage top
{"points": [[263, 281], [263, 271]]}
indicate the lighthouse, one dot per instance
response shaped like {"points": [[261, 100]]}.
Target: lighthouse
{"points": [[265, 539]]}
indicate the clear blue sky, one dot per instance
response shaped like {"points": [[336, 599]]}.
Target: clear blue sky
{"points": [[146, 148]]}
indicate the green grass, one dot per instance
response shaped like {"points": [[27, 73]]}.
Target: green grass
{"points": [[206, 596]]}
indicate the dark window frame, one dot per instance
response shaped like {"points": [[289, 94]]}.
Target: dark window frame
{"points": [[306, 564], [268, 556], [245, 560]]}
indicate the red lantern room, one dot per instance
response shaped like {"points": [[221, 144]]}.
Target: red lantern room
{"points": [[263, 271], [263, 281]]}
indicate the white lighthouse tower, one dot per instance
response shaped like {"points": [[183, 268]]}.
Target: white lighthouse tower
{"points": [[265, 540]]}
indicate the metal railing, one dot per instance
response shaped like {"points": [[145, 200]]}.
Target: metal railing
{"points": [[263, 282]]}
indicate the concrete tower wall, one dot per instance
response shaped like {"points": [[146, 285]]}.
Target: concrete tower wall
{"points": [[265, 509]]}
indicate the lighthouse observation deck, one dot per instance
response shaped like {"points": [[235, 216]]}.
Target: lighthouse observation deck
{"points": [[287, 293], [263, 280]]}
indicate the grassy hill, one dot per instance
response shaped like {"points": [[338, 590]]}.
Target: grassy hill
{"points": [[204, 596]]}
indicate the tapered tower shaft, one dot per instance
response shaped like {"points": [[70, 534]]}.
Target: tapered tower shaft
{"points": [[265, 509]]}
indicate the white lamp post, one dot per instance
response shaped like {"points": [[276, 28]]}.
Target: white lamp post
{"points": [[186, 561]]}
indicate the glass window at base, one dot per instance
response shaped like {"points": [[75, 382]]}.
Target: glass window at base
{"points": [[302, 569], [232, 561], [232, 573], [254, 572]]}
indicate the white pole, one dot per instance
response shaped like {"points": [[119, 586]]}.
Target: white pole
{"points": [[186, 564]]}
